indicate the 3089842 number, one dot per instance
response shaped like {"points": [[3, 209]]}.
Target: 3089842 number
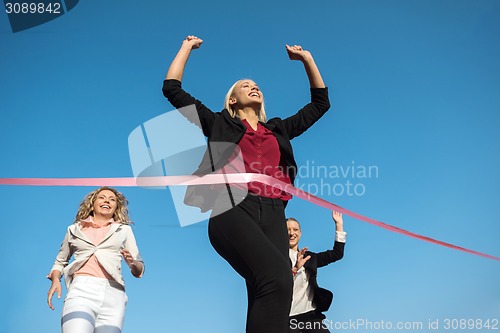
{"points": [[33, 8], [470, 324]]}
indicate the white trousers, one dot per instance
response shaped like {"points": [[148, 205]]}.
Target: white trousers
{"points": [[93, 305]]}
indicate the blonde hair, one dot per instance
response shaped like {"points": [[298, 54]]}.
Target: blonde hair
{"points": [[261, 113], [87, 206]]}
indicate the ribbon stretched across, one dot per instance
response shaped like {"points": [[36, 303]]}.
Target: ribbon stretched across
{"points": [[221, 179]]}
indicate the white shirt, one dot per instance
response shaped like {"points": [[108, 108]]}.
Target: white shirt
{"points": [[302, 292]]}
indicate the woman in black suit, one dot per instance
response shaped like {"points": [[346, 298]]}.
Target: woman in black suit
{"points": [[309, 300], [249, 232]]}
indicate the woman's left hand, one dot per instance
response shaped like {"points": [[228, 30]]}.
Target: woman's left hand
{"points": [[136, 267], [128, 257], [296, 52]]}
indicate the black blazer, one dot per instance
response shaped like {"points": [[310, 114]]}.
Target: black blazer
{"points": [[224, 132], [322, 298]]}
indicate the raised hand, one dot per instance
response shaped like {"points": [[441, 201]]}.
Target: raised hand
{"points": [[176, 69], [296, 52], [339, 221], [337, 217], [301, 260], [193, 42]]}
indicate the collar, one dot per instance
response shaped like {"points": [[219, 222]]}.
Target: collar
{"points": [[89, 222]]}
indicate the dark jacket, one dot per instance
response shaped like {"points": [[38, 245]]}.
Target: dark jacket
{"points": [[224, 132], [322, 298]]}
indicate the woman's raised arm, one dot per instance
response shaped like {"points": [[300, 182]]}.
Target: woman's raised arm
{"points": [[177, 66], [296, 52]]}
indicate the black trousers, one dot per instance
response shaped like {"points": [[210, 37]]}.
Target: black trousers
{"points": [[310, 322], [252, 237]]}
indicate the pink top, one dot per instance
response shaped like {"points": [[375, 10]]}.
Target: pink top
{"points": [[96, 234]]}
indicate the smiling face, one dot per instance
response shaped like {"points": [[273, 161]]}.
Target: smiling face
{"points": [[246, 93], [294, 233], [105, 203]]}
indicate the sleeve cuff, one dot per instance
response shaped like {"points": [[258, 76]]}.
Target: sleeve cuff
{"points": [[55, 268], [340, 236]]}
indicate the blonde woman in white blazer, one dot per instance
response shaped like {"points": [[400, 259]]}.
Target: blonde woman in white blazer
{"points": [[98, 240]]}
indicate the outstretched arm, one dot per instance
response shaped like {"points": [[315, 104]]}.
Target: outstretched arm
{"points": [[201, 116], [296, 52], [298, 123], [177, 66], [329, 256]]}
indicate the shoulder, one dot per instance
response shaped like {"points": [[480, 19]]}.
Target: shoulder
{"points": [[72, 227], [274, 120], [274, 123], [126, 227]]}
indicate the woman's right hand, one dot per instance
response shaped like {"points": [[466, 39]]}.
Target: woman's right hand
{"points": [[301, 260], [55, 287], [192, 42]]}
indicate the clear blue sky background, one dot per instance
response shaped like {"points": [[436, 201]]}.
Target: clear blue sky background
{"points": [[415, 92]]}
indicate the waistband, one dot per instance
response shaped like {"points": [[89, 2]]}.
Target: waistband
{"points": [[97, 281], [265, 200]]}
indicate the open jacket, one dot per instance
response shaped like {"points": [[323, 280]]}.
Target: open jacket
{"points": [[322, 298], [77, 244], [224, 132]]}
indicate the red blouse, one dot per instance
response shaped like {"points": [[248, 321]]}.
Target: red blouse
{"points": [[261, 154]]}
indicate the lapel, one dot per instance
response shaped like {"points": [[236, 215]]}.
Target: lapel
{"points": [[78, 233], [112, 229]]}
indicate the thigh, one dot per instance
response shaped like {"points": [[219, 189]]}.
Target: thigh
{"points": [[273, 224], [239, 237], [78, 321], [112, 313], [79, 311]]}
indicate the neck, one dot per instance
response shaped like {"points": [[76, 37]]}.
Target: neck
{"points": [[248, 113], [101, 219], [295, 247]]}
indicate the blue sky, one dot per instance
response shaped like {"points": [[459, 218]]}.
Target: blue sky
{"points": [[414, 90]]}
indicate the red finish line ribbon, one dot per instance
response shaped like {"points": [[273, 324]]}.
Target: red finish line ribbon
{"points": [[239, 178]]}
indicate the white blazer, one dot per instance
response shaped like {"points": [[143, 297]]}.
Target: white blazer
{"points": [[120, 236]]}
